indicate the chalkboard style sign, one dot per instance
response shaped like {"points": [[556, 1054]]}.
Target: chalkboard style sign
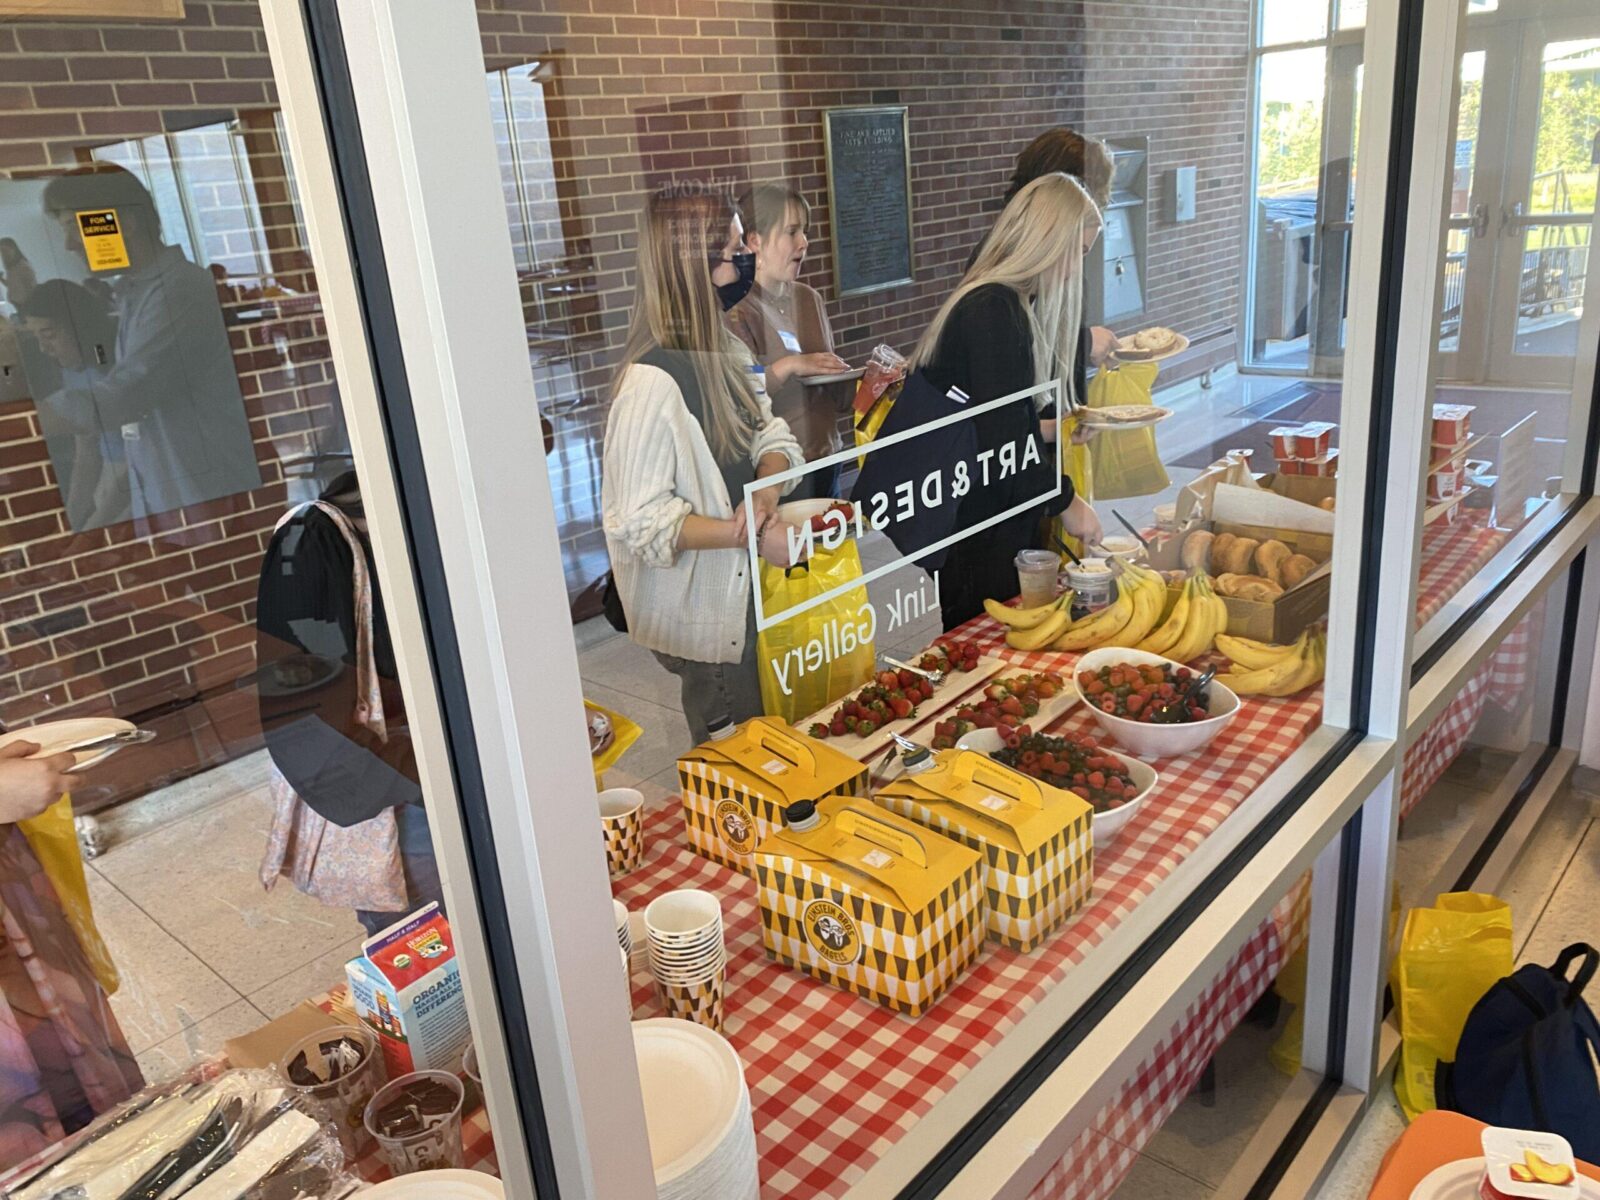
{"points": [[869, 196]]}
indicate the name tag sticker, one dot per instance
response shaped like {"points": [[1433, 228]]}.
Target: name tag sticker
{"points": [[775, 766], [876, 858], [790, 342], [992, 803]]}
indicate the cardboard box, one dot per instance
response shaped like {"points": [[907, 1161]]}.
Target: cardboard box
{"points": [[406, 987], [734, 791], [266, 1046], [1037, 840], [1284, 619], [872, 903]]}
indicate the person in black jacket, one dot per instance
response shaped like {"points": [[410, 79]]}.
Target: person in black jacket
{"points": [[307, 606], [1088, 161], [1012, 323]]}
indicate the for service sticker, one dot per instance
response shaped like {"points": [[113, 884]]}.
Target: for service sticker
{"points": [[102, 239]]}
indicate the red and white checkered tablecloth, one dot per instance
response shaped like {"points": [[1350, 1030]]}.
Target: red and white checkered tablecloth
{"points": [[835, 1080], [1452, 555]]}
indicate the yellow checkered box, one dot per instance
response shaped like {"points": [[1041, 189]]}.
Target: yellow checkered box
{"points": [[1037, 840], [873, 904], [734, 791]]}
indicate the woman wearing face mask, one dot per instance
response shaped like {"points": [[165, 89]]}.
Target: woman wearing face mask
{"points": [[783, 323], [1013, 323], [687, 431]]}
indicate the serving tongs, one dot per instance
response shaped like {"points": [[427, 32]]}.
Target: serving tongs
{"points": [[1181, 700], [934, 677]]}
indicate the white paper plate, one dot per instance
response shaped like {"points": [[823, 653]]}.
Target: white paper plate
{"points": [[317, 670], [1459, 1181], [55, 736], [1134, 356], [1100, 418], [694, 1090], [439, 1185], [838, 377]]}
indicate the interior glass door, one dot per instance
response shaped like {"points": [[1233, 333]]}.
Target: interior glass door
{"points": [[1547, 218]]}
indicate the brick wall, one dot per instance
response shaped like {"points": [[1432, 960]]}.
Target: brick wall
{"points": [[625, 93], [742, 99]]}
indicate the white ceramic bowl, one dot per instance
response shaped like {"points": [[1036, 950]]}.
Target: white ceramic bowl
{"points": [[1152, 742], [1106, 824]]}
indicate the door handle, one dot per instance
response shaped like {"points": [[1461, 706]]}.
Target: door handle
{"points": [[1480, 220], [1509, 217]]}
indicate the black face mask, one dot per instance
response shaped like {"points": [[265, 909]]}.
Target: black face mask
{"points": [[731, 293]]}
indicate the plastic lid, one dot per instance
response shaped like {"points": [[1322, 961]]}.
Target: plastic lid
{"points": [[917, 760], [801, 815], [720, 726]]}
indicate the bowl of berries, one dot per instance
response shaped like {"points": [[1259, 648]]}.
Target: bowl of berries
{"points": [[1115, 785], [1147, 704]]}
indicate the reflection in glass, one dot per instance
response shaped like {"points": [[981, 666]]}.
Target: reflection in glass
{"points": [[1292, 21]]}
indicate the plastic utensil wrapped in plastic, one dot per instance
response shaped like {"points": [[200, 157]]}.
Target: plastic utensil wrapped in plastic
{"points": [[1450, 955], [816, 656]]}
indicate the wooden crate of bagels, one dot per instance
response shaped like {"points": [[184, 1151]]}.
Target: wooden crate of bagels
{"points": [[1270, 574]]}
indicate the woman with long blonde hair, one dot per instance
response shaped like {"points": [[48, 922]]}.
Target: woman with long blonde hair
{"points": [[1013, 322], [688, 431]]}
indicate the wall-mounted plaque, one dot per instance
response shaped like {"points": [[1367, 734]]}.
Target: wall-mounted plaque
{"points": [[869, 196]]}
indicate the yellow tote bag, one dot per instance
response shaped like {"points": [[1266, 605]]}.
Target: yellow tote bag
{"points": [[1450, 955], [1125, 461], [817, 654], [54, 842]]}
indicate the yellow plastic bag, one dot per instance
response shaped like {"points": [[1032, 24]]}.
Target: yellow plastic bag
{"points": [[624, 733], [826, 652], [1125, 461], [54, 842], [1450, 955]]}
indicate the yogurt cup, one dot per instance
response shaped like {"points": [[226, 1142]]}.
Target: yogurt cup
{"points": [[1037, 574], [1091, 583]]}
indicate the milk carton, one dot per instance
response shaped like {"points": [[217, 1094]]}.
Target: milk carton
{"points": [[406, 987]]}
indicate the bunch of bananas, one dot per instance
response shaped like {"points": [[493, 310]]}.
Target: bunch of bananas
{"points": [[1032, 628], [1265, 669], [1193, 625], [1133, 619]]}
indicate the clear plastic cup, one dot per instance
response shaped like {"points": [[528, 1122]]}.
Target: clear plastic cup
{"points": [[416, 1121], [345, 1097], [1037, 572]]}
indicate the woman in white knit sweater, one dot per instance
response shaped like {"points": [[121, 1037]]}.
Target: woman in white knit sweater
{"points": [[687, 431]]}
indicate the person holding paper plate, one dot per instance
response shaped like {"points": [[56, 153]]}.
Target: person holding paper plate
{"points": [[63, 1058], [785, 326]]}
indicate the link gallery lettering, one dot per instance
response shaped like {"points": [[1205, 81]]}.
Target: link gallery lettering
{"points": [[911, 497], [840, 637]]}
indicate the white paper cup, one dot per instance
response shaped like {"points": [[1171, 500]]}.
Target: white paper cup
{"points": [[622, 824], [624, 935], [683, 917]]}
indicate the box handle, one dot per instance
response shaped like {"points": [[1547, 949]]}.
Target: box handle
{"points": [[777, 739], [853, 821], [976, 769]]}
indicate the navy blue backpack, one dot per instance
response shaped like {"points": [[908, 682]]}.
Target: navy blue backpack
{"points": [[1529, 1055]]}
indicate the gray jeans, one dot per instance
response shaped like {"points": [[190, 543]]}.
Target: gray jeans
{"points": [[718, 689]]}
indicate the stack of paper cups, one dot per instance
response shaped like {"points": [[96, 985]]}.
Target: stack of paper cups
{"points": [[624, 938], [687, 955]]}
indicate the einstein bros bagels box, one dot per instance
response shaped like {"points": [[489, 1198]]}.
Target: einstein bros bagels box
{"points": [[406, 987], [736, 786], [1037, 840], [870, 902]]}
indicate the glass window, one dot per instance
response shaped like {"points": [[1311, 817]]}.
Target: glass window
{"points": [[857, 279], [1287, 21], [240, 869], [1521, 215]]}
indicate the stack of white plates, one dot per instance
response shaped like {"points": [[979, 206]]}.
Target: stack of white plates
{"points": [[697, 1111], [438, 1185]]}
